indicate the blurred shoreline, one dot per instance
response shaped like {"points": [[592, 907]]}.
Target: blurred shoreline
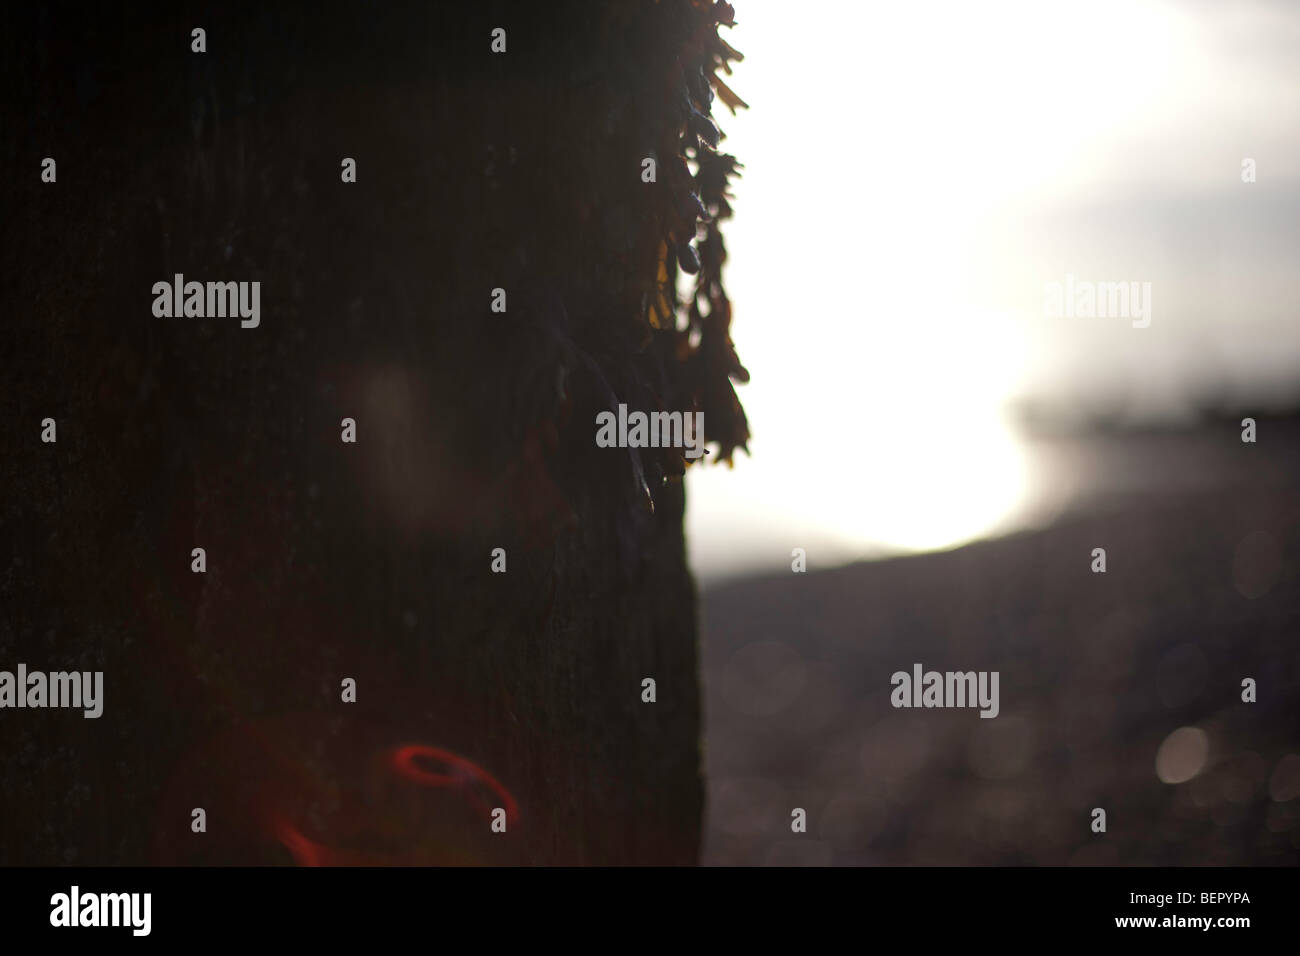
{"points": [[1070, 470]]}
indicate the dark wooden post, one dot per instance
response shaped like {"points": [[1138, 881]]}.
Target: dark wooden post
{"points": [[328, 560]]}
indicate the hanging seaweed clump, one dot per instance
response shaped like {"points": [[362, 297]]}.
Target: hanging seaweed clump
{"points": [[695, 201]]}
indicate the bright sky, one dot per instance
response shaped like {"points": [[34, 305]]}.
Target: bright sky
{"points": [[914, 174]]}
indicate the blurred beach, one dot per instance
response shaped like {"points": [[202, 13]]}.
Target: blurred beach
{"points": [[1119, 690]]}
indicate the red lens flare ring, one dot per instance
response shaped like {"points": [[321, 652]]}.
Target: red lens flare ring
{"points": [[457, 772]]}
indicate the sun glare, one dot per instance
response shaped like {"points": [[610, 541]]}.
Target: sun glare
{"points": [[881, 374]]}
